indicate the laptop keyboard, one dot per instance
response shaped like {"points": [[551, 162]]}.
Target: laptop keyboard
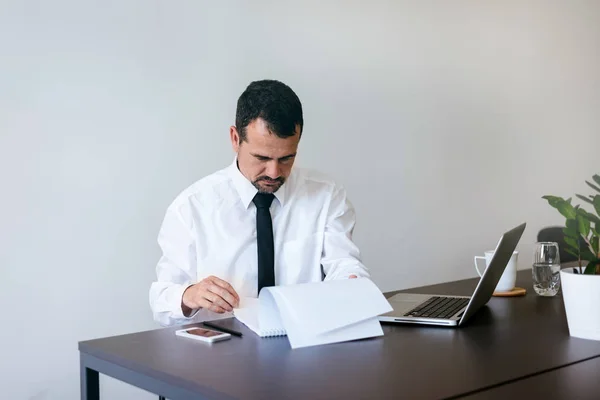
{"points": [[438, 307]]}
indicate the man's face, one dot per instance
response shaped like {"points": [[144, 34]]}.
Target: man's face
{"points": [[264, 159]]}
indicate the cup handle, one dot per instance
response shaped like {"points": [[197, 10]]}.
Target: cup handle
{"points": [[476, 266]]}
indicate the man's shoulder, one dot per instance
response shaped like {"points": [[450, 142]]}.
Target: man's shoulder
{"points": [[315, 177], [205, 186]]}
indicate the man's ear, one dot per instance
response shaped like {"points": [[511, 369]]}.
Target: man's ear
{"points": [[235, 139]]}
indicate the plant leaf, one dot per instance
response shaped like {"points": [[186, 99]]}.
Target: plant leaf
{"points": [[586, 254], [596, 179], [584, 198], [571, 229], [589, 216], [590, 184], [571, 252], [583, 225], [553, 200], [567, 210], [563, 206], [590, 269], [571, 234], [594, 243], [593, 218], [571, 242], [597, 204]]}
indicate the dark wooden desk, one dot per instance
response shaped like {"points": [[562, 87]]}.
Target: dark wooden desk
{"points": [[508, 339], [579, 381]]}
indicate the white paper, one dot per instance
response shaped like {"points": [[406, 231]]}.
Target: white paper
{"points": [[249, 314], [360, 330], [317, 313]]}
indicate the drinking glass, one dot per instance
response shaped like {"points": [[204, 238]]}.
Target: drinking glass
{"points": [[546, 268]]}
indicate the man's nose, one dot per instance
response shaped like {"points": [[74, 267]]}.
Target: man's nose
{"points": [[273, 169]]}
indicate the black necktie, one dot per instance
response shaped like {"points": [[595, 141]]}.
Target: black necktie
{"points": [[264, 240]]}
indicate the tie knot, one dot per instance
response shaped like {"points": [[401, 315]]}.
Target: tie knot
{"points": [[263, 200]]}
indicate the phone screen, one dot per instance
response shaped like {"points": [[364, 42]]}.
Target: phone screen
{"points": [[203, 332]]}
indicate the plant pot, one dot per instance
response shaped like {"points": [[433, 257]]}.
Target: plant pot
{"points": [[581, 295]]}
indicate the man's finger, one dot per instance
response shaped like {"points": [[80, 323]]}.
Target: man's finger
{"points": [[208, 305], [217, 300], [226, 286], [352, 277], [204, 303], [217, 309], [222, 294]]}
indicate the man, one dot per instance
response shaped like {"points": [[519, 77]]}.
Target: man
{"points": [[260, 222]]}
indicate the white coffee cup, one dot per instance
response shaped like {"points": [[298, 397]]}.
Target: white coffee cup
{"points": [[509, 277]]}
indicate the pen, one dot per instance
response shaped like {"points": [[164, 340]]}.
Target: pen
{"points": [[235, 333]]}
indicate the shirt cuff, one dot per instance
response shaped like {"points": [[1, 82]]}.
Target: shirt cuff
{"points": [[176, 298], [346, 273]]}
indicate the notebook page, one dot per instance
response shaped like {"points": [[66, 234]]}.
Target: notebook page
{"points": [[269, 315], [329, 305], [247, 313], [363, 329], [250, 311]]}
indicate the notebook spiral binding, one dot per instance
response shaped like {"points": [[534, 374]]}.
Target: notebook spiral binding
{"points": [[274, 332]]}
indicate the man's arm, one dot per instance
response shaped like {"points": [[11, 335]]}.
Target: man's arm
{"points": [[341, 257], [175, 271], [176, 297]]}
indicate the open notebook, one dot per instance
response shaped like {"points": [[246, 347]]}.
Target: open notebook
{"points": [[316, 313], [248, 315]]}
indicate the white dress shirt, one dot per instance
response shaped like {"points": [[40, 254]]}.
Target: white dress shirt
{"points": [[210, 229]]}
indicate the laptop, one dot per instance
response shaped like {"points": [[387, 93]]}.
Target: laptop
{"points": [[431, 309]]}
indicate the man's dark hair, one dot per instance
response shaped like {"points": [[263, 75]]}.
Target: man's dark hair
{"points": [[275, 103]]}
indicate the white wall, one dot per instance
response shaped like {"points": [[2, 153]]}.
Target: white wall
{"points": [[446, 121]]}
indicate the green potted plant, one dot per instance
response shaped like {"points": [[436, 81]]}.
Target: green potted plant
{"points": [[581, 284]]}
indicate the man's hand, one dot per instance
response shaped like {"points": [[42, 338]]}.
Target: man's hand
{"points": [[212, 294]]}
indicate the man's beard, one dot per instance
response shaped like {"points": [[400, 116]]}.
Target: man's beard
{"points": [[275, 184]]}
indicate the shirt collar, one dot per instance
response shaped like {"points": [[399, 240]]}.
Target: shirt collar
{"points": [[246, 189]]}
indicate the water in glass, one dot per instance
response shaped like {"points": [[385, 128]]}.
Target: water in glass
{"points": [[546, 268], [546, 279]]}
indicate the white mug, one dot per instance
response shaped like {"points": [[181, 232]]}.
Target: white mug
{"points": [[509, 277]]}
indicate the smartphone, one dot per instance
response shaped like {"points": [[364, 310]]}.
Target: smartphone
{"points": [[203, 334]]}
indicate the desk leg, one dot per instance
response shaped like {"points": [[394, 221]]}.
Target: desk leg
{"points": [[89, 382]]}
